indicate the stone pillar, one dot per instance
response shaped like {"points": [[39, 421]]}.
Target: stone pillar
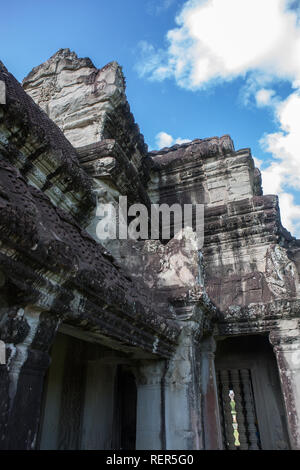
{"points": [[173, 393], [98, 401], [286, 343], [169, 398], [183, 393], [212, 434], [27, 336], [150, 427]]}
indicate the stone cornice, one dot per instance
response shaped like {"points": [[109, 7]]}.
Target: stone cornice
{"points": [[257, 317], [67, 266], [105, 160], [35, 145]]}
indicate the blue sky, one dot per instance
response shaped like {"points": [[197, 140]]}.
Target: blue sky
{"points": [[194, 69]]}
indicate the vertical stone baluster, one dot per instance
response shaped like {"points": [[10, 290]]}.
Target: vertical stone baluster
{"points": [[236, 386], [221, 408], [234, 419], [224, 374], [250, 409]]}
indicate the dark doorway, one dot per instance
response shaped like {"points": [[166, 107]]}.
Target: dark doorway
{"points": [[86, 389], [247, 366], [126, 403]]}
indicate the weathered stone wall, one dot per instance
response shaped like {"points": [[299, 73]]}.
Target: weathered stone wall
{"points": [[52, 271], [207, 171], [31, 142], [248, 255], [76, 95], [90, 107], [251, 262], [153, 300], [88, 104]]}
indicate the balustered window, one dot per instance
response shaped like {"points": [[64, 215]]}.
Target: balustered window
{"points": [[238, 380]]}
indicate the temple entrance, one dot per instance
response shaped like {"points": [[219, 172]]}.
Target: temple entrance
{"points": [[247, 367], [125, 409], [89, 398]]}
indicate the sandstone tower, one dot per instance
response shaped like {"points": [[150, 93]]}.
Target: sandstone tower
{"points": [[149, 335]]}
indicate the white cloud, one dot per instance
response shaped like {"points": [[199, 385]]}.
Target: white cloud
{"points": [[290, 213], [180, 141], [265, 97], [285, 145], [257, 161], [152, 61], [284, 170], [156, 7], [223, 39], [163, 139], [259, 40]]}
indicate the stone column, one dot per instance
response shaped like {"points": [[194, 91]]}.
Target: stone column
{"points": [[183, 393], [27, 335], [150, 427], [169, 398], [212, 434], [286, 343], [172, 394]]}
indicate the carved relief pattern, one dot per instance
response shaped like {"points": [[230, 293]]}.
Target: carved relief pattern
{"points": [[250, 410]]}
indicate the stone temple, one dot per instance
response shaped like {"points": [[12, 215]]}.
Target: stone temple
{"points": [[136, 344]]}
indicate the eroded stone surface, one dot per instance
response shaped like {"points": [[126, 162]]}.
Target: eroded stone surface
{"points": [[87, 103], [248, 255], [149, 299]]}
